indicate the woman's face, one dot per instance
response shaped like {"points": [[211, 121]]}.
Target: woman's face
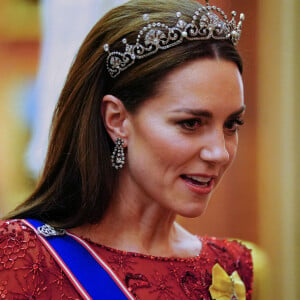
{"points": [[181, 141]]}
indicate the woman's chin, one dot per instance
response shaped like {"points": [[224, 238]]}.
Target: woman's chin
{"points": [[193, 211]]}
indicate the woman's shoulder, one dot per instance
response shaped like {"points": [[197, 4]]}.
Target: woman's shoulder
{"points": [[223, 245], [228, 252], [15, 232], [26, 268], [12, 226], [18, 244], [232, 255]]}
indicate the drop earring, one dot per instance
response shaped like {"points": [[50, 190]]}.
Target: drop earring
{"points": [[118, 156]]}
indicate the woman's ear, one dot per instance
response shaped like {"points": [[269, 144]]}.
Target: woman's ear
{"points": [[114, 116]]}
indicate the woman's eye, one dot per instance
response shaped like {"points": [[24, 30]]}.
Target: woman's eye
{"points": [[233, 125], [191, 124]]}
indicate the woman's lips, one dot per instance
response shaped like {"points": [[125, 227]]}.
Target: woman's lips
{"points": [[201, 184]]}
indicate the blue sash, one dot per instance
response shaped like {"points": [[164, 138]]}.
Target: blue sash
{"points": [[93, 281]]}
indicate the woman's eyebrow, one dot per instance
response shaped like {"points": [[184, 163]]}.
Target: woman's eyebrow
{"points": [[238, 112], [195, 112], [205, 113]]}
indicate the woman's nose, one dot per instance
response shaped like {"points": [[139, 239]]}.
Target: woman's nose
{"points": [[215, 151]]}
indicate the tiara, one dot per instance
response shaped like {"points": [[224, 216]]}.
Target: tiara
{"points": [[208, 22]]}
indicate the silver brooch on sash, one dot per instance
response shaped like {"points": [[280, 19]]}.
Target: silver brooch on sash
{"points": [[48, 231]]}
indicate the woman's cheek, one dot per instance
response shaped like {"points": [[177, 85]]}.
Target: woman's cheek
{"points": [[232, 149]]}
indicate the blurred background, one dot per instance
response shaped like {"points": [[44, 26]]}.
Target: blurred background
{"points": [[257, 201]]}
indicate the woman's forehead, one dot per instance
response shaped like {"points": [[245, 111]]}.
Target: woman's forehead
{"points": [[207, 88], [208, 78]]}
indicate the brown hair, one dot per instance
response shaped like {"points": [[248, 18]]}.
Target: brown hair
{"points": [[78, 180]]}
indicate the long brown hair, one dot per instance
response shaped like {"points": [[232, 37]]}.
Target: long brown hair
{"points": [[78, 181]]}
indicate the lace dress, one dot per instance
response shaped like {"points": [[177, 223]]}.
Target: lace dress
{"points": [[27, 271]]}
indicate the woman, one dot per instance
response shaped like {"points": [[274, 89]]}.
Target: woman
{"points": [[145, 128]]}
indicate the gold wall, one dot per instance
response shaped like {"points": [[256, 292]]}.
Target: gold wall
{"points": [[278, 160], [19, 51], [296, 75]]}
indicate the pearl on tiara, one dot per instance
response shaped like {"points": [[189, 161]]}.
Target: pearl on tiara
{"points": [[208, 22], [146, 17]]}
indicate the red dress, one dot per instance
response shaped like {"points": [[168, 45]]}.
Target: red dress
{"points": [[27, 271]]}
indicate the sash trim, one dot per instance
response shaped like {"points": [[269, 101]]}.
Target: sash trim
{"points": [[104, 265], [78, 286]]}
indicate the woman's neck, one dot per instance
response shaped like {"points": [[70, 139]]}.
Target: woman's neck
{"points": [[147, 229], [136, 223]]}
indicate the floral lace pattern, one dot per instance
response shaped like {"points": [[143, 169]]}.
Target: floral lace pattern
{"points": [[28, 271]]}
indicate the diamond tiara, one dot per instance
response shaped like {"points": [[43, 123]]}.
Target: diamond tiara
{"points": [[206, 24]]}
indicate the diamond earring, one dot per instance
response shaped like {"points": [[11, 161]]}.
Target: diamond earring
{"points": [[118, 156]]}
